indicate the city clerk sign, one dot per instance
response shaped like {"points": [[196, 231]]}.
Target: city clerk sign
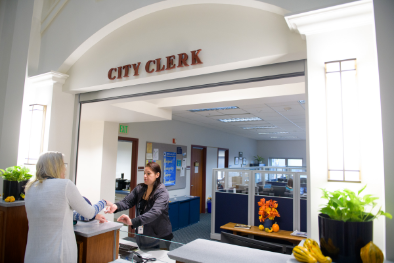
{"points": [[155, 65]]}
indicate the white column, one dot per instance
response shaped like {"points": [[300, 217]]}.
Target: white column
{"points": [[15, 25], [384, 20], [97, 154], [338, 33]]}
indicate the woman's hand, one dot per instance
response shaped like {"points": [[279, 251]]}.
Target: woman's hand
{"points": [[125, 219], [101, 218], [110, 209], [108, 203]]}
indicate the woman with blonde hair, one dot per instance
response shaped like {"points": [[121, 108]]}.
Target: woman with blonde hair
{"points": [[49, 207]]}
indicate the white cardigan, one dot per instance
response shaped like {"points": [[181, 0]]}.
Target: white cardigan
{"points": [[49, 208]]}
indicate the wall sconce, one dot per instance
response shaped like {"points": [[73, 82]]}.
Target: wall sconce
{"points": [[342, 121], [37, 115]]}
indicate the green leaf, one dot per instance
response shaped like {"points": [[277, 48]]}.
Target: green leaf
{"points": [[359, 192], [388, 215]]}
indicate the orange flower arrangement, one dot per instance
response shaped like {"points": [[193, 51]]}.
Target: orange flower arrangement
{"points": [[267, 210]]}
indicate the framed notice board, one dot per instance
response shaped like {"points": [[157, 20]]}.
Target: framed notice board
{"points": [[172, 161]]}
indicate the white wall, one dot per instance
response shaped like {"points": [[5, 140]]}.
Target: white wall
{"points": [[15, 23], [359, 43], [97, 153], [212, 162], [384, 20], [224, 42], [282, 149], [57, 46], [188, 134], [123, 162]]}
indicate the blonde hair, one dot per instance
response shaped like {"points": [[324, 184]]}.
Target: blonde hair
{"points": [[50, 164]]}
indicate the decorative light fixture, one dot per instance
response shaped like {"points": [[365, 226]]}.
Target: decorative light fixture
{"points": [[241, 119], [342, 121], [259, 127], [36, 134], [273, 132], [211, 109]]}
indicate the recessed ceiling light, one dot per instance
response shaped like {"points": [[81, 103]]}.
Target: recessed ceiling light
{"points": [[259, 127], [273, 132], [241, 119], [219, 108], [301, 101]]}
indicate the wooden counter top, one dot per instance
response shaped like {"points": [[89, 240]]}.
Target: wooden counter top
{"points": [[254, 230]]}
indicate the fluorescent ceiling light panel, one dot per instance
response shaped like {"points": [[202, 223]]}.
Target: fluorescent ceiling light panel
{"points": [[259, 127], [273, 132], [241, 119], [211, 109]]}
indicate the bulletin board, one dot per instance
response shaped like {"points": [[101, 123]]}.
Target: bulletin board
{"points": [[172, 160]]}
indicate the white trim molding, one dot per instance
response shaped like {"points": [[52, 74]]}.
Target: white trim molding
{"points": [[47, 79], [54, 10], [354, 14]]}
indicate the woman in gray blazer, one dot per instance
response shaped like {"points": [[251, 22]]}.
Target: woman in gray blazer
{"points": [[151, 201]]}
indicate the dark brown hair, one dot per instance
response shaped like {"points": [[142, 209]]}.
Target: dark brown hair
{"points": [[156, 169], [290, 182]]}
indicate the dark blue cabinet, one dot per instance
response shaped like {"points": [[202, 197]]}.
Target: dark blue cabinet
{"points": [[184, 211], [194, 210], [173, 211]]}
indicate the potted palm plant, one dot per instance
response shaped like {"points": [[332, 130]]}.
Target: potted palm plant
{"points": [[259, 159], [345, 224], [15, 179]]}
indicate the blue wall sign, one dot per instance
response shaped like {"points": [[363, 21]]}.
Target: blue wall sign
{"points": [[169, 168]]}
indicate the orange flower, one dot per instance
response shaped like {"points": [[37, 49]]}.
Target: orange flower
{"points": [[267, 209]]}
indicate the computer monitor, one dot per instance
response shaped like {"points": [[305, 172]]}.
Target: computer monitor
{"points": [[279, 190]]}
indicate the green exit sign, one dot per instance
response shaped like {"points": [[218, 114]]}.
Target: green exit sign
{"points": [[122, 128]]}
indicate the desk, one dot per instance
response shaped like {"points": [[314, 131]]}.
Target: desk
{"points": [[202, 250], [254, 230], [97, 242]]}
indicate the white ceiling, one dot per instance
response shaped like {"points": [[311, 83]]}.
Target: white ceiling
{"points": [[284, 112], [275, 102]]}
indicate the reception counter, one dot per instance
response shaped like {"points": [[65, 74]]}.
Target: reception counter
{"points": [[96, 242], [13, 231]]}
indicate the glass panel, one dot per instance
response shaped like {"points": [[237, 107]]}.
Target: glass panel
{"points": [[352, 176], [278, 162], [335, 175], [333, 66], [133, 246], [294, 162], [237, 182], [37, 126], [334, 122], [220, 181], [348, 65], [303, 202], [351, 122]]}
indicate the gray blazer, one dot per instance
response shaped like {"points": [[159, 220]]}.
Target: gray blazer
{"points": [[155, 219]]}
